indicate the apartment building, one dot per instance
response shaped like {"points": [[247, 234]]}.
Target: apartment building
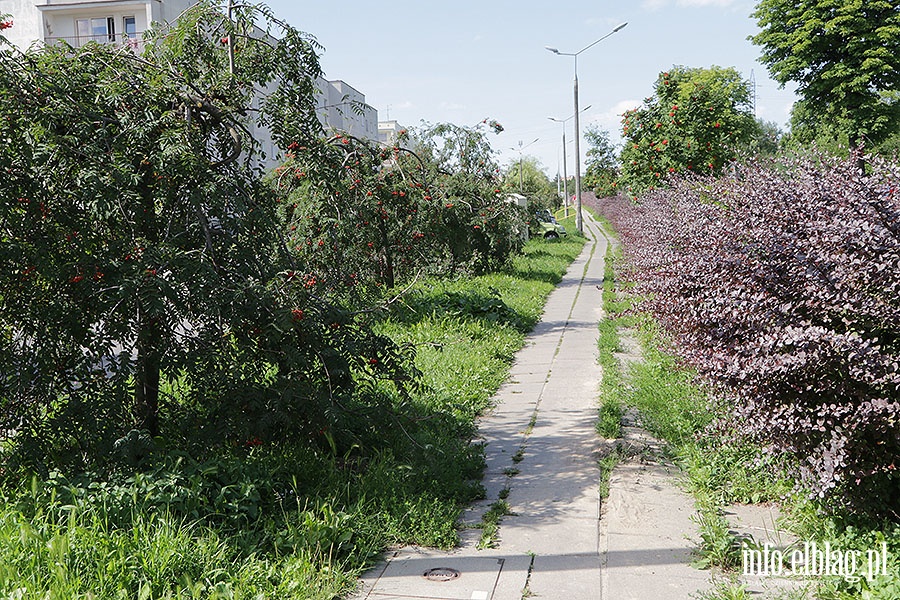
{"points": [[123, 22], [342, 108]]}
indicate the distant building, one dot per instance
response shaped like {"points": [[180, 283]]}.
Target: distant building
{"points": [[389, 132]]}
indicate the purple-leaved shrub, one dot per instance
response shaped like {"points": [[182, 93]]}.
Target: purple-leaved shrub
{"points": [[781, 285]]}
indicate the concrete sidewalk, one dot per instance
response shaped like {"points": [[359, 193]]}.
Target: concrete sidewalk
{"points": [[542, 456]]}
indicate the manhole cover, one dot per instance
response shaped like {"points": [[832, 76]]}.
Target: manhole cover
{"points": [[441, 574]]}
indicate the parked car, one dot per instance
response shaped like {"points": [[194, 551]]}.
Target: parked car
{"points": [[544, 224]]}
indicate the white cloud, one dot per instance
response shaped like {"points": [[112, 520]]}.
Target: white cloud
{"points": [[611, 120], [777, 111]]}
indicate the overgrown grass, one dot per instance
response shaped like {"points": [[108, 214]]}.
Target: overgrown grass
{"points": [[719, 546], [612, 384], [296, 521], [726, 590], [609, 424], [78, 553], [808, 521], [490, 523], [607, 463]]}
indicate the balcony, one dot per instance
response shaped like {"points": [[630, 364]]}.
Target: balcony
{"points": [[121, 40], [68, 4]]}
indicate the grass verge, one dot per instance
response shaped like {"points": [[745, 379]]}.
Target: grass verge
{"points": [[607, 463], [612, 406], [609, 423]]}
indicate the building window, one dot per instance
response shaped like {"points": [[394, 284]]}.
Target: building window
{"points": [[130, 27], [100, 30]]}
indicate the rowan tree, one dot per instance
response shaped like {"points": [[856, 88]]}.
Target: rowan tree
{"points": [[140, 252], [695, 121]]}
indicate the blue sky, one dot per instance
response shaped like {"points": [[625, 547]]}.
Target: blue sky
{"points": [[467, 60]]}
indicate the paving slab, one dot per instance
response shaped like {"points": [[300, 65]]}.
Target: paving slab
{"points": [[569, 576], [646, 535], [414, 572]]}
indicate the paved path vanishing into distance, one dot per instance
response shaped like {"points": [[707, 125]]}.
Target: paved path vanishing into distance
{"points": [[542, 452]]}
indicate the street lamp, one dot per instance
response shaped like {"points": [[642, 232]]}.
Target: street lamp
{"points": [[565, 175], [519, 150], [578, 219]]}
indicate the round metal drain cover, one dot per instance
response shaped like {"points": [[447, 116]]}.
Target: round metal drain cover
{"points": [[441, 574]]}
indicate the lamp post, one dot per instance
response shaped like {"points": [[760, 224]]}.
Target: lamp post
{"points": [[519, 150], [578, 219], [565, 175]]}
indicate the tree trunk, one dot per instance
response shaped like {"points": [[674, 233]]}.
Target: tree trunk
{"points": [[388, 256], [149, 337], [146, 385], [857, 142]]}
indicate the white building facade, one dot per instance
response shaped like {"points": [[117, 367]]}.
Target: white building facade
{"points": [[389, 132], [342, 108], [80, 21]]}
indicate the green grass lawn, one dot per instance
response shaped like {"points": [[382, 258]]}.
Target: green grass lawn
{"points": [[299, 521]]}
